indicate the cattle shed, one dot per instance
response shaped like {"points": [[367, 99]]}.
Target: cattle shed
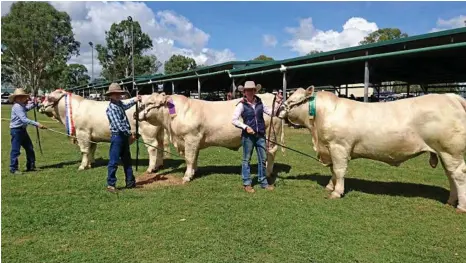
{"points": [[427, 59]]}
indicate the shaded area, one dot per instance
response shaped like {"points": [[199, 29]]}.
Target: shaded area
{"points": [[381, 188], [99, 162], [228, 169]]}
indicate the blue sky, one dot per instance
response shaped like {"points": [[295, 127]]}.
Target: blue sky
{"points": [[216, 32], [240, 25]]}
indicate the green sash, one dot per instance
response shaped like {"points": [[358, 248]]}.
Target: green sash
{"points": [[312, 106]]}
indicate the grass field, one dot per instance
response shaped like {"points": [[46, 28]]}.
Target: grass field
{"points": [[388, 214]]}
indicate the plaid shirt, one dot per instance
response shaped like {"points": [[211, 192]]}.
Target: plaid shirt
{"points": [[117, 117]]}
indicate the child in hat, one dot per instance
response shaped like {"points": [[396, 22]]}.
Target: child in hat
{"points": [[121, 137], [18, 131]]}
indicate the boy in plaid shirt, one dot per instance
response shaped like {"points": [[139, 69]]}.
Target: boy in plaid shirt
{"points": [[121, 137]]}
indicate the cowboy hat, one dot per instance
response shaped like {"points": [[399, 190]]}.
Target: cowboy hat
{"points": [[115, 88], [17, 92], [250, 85]]}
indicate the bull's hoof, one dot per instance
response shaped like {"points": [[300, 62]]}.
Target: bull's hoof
{"points": [[81, 168], [186, 180], [460, 211], [334, 195], [329, 188]]}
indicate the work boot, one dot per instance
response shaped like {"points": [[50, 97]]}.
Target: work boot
{"points": [[269, 188], [249, 189], [111, 189]]}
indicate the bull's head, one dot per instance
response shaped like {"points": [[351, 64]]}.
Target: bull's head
{"points": [[51, 101], [151, 108], [295, 106]]}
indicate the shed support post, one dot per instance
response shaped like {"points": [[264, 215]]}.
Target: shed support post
{"points": [[153, 88], [346, 91], [407, 90], [366, 79], [233, 89], [284, 86], [173, 87], [199, 87]]}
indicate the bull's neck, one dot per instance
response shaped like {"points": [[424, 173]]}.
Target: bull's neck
{"points": [[166, 119], [60, 110]]}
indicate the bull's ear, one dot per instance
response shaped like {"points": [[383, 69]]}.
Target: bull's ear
{"points": [[310, 90], [163, 93], [164, 98]]}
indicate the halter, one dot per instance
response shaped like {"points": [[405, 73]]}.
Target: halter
{"points": [[55, 103]]}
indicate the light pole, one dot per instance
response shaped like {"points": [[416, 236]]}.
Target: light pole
{"points": [[130, 19], [92, 52]]}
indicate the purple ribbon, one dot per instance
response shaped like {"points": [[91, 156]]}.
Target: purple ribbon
{"points": [[171, 107]]}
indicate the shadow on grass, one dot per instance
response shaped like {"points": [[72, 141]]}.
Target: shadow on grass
{"points": [[100, 162], [381, 188], [227, 169]]}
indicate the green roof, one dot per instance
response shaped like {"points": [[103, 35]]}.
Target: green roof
{"points": [[235, 67], [359, 48]]}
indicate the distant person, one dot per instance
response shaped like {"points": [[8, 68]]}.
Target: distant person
{"points": [[352, 97], [229, 96], [19, 134]]}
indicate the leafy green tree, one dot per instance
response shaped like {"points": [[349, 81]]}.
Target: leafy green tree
{"points": [[383, 34], [315, 51], [263, 58], [35, 37], [179, 63], [115, 57]]}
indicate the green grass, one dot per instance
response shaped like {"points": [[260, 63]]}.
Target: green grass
{"points": [[387, 215]]}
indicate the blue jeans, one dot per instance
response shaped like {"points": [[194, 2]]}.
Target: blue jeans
{"points": [[20, 137], [250, 142], [119, 148]]}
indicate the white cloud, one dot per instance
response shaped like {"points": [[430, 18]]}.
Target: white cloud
{"points": [[306, 37], [269, 40], [455, 22], [171, 32]]}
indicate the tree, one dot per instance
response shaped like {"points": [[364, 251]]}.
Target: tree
{"points": [[263, 58], [179, 63], [383, 34], [76, 75], [315, 51], [35, 37], [115, 57]]}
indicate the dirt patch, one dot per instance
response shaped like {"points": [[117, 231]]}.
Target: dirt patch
{"points": [[148, 180]]}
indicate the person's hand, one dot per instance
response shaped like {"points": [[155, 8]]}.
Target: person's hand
{"points": [[41, 126], [138, 98], [249, 130]]}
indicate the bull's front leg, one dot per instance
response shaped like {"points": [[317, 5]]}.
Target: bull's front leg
{"points": [[191, 149], [155, 155], [271, 160], [339, 165]]}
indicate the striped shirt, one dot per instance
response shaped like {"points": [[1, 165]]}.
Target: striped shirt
{"points": [[19, 118], [117, 117]]}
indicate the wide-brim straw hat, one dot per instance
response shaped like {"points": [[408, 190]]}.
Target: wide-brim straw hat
{"points": [[115, 88], [250, 85], [16, 93]]}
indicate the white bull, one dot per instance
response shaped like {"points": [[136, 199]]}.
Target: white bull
{"points": [[390, 132], [199, 124], [92, 125]]}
